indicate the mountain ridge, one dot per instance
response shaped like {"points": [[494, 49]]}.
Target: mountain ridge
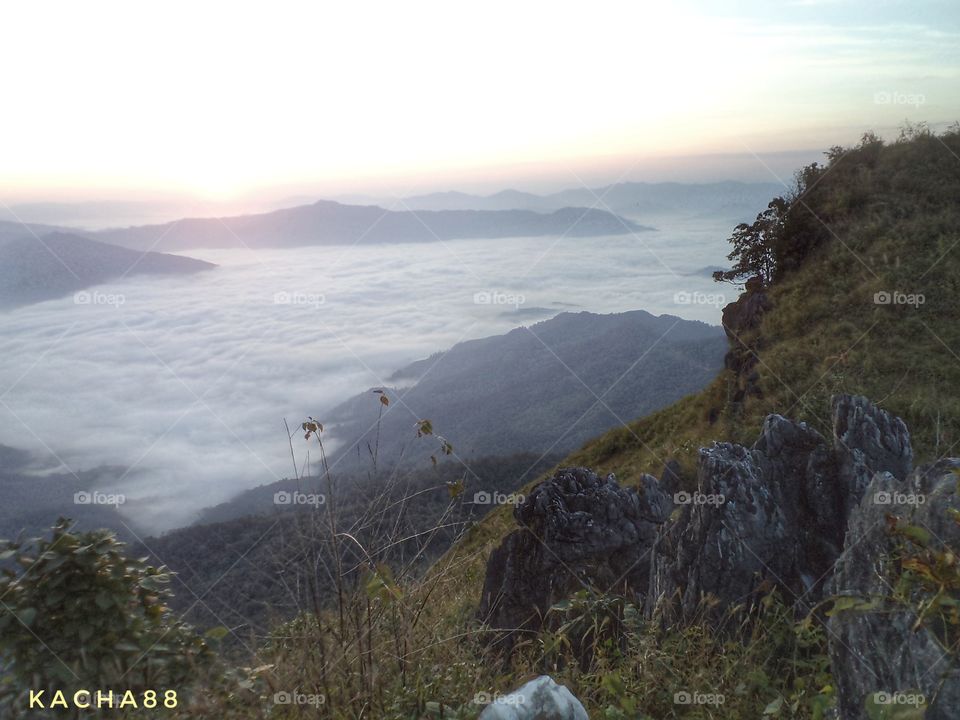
{"points": [[34, 269], [327, 222]]}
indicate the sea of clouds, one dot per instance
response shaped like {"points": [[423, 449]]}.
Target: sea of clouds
{"points": [[185, 380]]}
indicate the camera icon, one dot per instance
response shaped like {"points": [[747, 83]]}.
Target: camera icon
{"points": [[682, 498], [482, 298], [883, 97], [282, 298], [483, 698], [482, 498], [282, 698], [282, 498], [82, 498], [682, 698], [82, 298], [882, 498], [882, 698], [683, 297], [882, 298]]}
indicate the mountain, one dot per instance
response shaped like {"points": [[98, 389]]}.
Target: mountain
{"points": [[544, 388], [331, 223], [35, 495], [727, 199], [35, 269], [245, 557]]}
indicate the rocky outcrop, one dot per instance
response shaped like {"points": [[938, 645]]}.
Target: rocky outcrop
{"points": [[878, 650], [775, 514], [576, 530], [741, 321], [794, 511]]}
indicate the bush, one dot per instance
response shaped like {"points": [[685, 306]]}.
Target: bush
{"points": [[80, 615]]}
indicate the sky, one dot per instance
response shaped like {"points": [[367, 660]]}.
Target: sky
{"points": [[219, 101]]}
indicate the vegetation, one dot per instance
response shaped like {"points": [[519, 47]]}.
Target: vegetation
{"points": [[81, 614], [865, 269], [859, 266]]}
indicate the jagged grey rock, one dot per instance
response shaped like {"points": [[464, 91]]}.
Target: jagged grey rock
{"points": [[879, 650], [784, 512], [576, 529], [539, 699]]}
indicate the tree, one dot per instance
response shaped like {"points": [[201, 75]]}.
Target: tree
{"points": [[755, 245]]}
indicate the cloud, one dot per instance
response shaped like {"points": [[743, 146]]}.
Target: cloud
{"points": [[188, 382]]}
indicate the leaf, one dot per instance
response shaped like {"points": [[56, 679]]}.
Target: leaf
{"points": [[216, 633], [773, 708], [384, 400], [455, 488], [918, 535], [381, 584]]}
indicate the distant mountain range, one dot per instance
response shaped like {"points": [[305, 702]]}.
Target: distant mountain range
{"points": [[546, 388], [331, 223], [34, 269], [726, 200]]}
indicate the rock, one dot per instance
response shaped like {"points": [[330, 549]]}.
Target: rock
{"points": [[867, 440], [774, 515], [741, 320], [539, 699], [576, 530], [877, 650]]}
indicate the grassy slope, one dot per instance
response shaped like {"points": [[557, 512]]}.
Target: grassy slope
{"points": [[894, 224]]}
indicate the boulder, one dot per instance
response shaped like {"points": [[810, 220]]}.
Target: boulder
{"points": [[539, 699]]}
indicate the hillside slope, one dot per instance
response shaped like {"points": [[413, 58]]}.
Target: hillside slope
{"points": [[544, 388], [869, 310], [34, 269]]}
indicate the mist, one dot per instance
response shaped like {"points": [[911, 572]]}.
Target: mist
{"points": [[185, 381]]}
